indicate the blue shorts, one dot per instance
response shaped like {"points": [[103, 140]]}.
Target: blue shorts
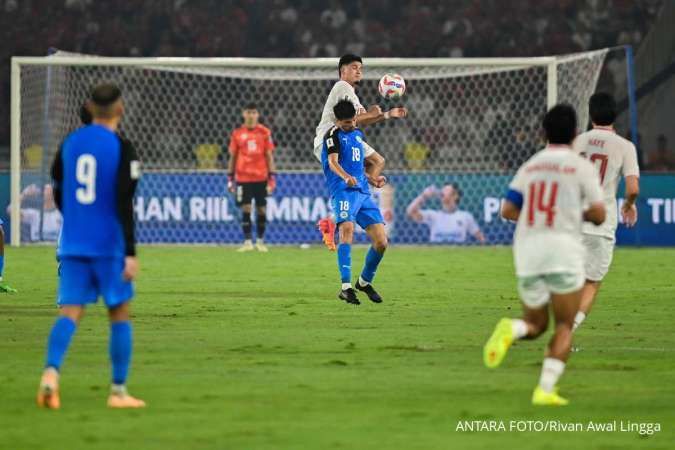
{"points": [[355, 206], [83, 280]]}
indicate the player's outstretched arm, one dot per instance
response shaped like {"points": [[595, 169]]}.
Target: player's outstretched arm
{"points": [[337, 169], [375, 115], [413, 209], [629, 209]]}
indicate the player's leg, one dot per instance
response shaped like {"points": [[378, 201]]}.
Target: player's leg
{"points": [[57, 345], [599, 252], [326, 225], [120, 357], [76, 289], [117, 294], [565, 299], [244, 198], [378, 237], [3, 287], [344, 258], [261, 217], [535, 297]]}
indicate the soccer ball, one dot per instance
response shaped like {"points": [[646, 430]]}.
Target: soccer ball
{"points": [[392, 86]]}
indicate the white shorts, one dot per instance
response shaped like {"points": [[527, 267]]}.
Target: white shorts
{"points": [[599, 252], [536, 290]]}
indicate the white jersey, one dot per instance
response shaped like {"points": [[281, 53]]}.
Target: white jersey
{"points": [[613, 156], [51, 223], [555, 184], [341, 91], [454, 227]]}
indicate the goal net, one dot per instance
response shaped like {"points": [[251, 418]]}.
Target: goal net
{"points": [[471, 123]]}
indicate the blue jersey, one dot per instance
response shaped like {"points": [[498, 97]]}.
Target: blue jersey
{"points": [[95, 173], [351, 157]]}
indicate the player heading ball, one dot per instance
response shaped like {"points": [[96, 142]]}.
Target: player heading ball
{"points": [[350, 165]]}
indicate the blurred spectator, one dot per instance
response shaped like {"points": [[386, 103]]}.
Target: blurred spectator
{"points": [[662, 159]]}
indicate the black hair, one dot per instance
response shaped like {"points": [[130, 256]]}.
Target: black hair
{"points": [[457, 189], [85, 115], [344, 109], [250, 106], [602, 108], [560, 124], [105, 94], [348, 59]]}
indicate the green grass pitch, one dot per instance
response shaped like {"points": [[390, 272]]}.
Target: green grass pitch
{"points": [[249, 351]]}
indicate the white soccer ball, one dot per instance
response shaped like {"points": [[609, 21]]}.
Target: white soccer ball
{"points": [[392, 86]]}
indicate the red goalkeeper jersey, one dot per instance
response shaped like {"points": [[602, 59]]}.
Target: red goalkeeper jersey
{"points": [[250, 146]]}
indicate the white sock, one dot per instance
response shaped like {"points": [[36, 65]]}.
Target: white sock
{"points": [[363, 282], [578, 319], [519, 328], [118, 389], [551, 371], [248, 242], [346, 286]]}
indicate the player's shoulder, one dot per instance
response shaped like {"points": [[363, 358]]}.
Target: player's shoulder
{"points": [[331, 133], [262, 129]]}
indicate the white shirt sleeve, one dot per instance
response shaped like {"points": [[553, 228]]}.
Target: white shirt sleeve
{"points": [[590, 183], [630, 162]]}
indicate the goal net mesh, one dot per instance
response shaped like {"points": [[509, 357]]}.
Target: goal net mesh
{"points": [[469, 126]]}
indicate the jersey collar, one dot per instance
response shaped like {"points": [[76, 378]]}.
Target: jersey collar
{"points": [[558, 147], [605, 128]]}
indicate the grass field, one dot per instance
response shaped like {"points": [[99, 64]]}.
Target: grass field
{"points": [[248, 351]]}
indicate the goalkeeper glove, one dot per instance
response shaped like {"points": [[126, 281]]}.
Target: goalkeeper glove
{"points": [[271, 183], [231, 183]]}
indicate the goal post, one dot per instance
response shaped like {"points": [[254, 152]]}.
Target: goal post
{"points": [[472, 122]]}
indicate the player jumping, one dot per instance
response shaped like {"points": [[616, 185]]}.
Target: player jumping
{"points": [[344, 161], [546, 197], [95, 175], [350, 72], [613, 156], [251, 173]]}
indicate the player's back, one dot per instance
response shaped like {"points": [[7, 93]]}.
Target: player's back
{"points": [[554, 184], [351, 157], [90, 159], [341, 90], [612, 156]]}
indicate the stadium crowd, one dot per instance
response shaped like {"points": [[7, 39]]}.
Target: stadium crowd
{"points": [[285, 28]]}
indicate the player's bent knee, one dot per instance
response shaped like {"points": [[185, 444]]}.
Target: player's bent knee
{"points": [[119, 313], [74, 313]]}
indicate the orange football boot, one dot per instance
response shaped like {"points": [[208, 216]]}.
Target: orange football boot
{"points": [[124, 401], [327, 228], [48, 392]]}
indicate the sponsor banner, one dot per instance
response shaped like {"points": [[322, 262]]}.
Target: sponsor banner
{"points": [[196, 208]]}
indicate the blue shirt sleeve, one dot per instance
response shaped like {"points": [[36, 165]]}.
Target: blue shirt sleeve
{"points": [[515, 197]]}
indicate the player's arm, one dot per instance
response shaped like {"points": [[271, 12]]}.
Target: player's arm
{"points": [[414, 208], [375, 115], [127, 179], [231, 164], [631, 174], [272, 171], [57, 178], [337, 169], [512, 205], [629, 209], [374, 167]]}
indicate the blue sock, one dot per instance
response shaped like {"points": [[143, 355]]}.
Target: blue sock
{"points": [[344, 253], [120, 351], [2, 264], [59, 340], [373, 259]]}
